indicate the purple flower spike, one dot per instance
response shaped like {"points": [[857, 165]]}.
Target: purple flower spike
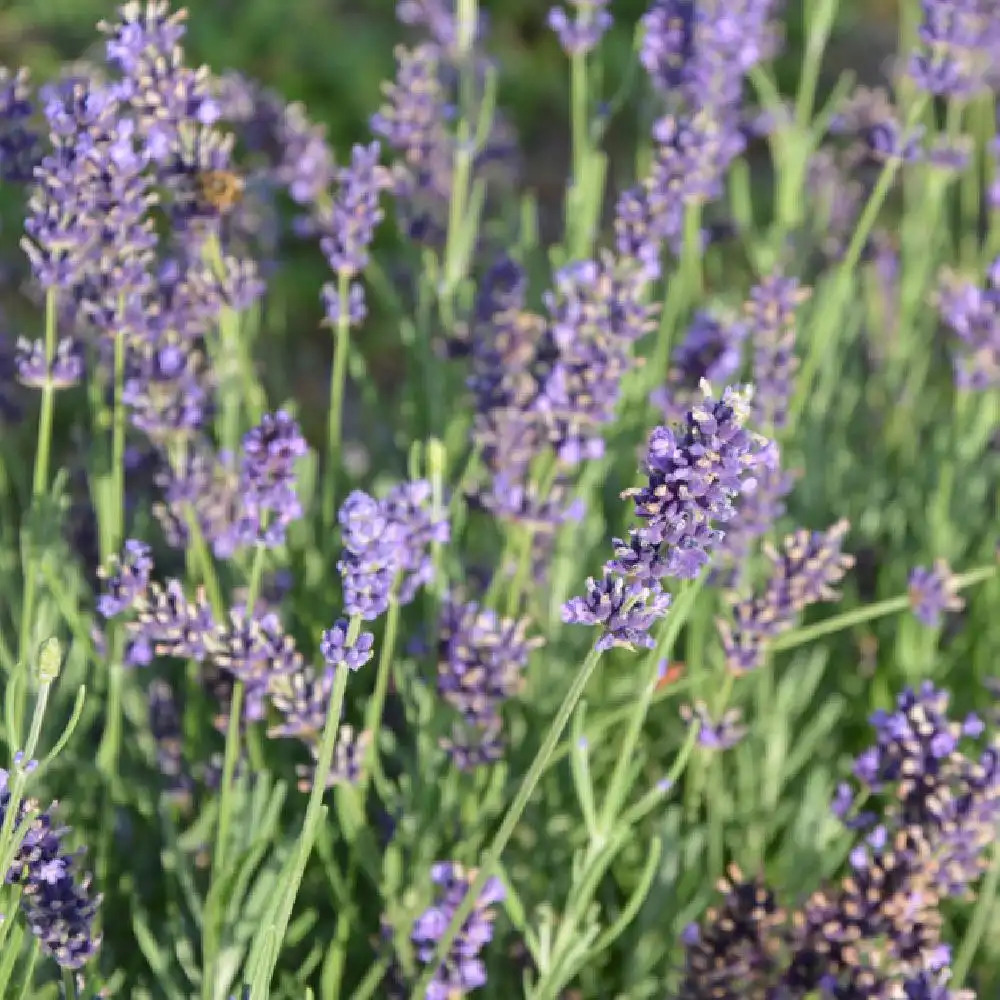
{"points": [[625, 609], [462, 969], [55, 901], [267, 478], [933, 593], [127, 579], [336, 651], [695, 474]]}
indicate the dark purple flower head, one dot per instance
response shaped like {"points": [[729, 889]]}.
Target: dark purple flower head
{"points": [[972, 315], [869, 117], [337, 652], [730, 955], [694, 475], [166, 729], [933, 592], [18, 140], [931, 789], [55, 900], [65, 371], [267, 478], [462, 969], [126, 580], [771, 317], [580, 33], [625, 610]]}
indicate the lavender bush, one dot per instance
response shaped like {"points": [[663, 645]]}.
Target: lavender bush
{"points": [[638, 638]]}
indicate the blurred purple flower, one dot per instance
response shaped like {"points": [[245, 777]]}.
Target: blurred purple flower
{"points": [[933, 592], [462, 969], [580, 33]]}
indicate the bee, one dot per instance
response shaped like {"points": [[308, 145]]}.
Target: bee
{"points": [[220, 189]]}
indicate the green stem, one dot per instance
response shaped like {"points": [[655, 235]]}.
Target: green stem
{"points": [[338, 383], [868, 613], [314, 808], [373, 723], [376, 704], [8, 840], [829, 315], [40, 480], [985, 905], [617, 788], [510, 821]]}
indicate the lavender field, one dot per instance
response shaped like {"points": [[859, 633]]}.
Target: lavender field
{"points": [[492, 544]]}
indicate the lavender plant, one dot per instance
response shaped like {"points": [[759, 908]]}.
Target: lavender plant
{"points": [[714, 424]]}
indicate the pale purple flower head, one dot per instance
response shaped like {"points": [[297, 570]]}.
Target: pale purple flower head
{"points": [[386, 543], [933, 592], [804, 571], [581, 32], [65, 371], [712, 735], [957, 47], [771, 316], [972, 315]]}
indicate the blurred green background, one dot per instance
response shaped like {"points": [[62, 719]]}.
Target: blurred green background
{"points": [[333, 55]]}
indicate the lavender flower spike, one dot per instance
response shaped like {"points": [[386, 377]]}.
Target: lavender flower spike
{"points": [[462, 970], [337, 652], [694, 475], [126, 580], [626, 610], [267, 478]]}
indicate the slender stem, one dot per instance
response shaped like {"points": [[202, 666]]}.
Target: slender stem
{"points": [[315, 805], [338, 383], [617, 789], [985, 905], [829, 317], [578, 111], [8, 839], [373, 723], [510, 821], [40, 481], [376, 704], [868, 613]]}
